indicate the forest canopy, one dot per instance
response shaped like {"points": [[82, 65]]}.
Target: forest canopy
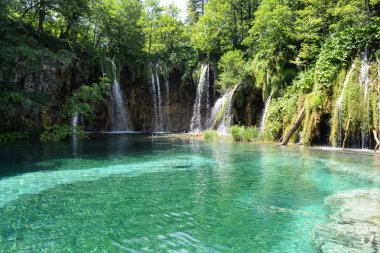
{"points": [[286, 48]]}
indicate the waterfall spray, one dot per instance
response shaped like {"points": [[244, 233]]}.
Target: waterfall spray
{"points": [[225, 103], [120, 115], [201, 104], [339, 105], [364, 85], [157, 99], [264, 118]]}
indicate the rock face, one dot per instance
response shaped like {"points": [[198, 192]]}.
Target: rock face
{"points": [[248, 106], [50, 86], [354, 225], [177, 111]]}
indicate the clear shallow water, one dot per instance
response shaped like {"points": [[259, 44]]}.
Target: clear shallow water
{"points": [[119, 193]]}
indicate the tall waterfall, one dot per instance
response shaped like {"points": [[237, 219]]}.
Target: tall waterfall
{"points": [[225, 105], [120, 115], [264, 118], [157, 100], [364, 85], [201, 104], [339, 104]]}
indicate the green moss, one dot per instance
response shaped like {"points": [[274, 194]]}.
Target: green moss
{"points": [[313, 109], [219, 115]]}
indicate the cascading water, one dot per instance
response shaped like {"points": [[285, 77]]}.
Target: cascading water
{"points": [[339, 105], [216, 109], [364, 85], [224, 126], [121, 120], [167, 88], [157, 100], [267, 103], [201, 105], [74, 124]]}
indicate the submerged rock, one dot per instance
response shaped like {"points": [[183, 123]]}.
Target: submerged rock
{"points": [[354, 225]]}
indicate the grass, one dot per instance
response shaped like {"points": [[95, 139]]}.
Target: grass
{"points": [[210, 135], [241, 133]]}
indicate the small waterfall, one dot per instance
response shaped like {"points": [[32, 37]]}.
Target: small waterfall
{"points": [[74, 124], [264, 118], [364, 85], [225, 124], [201, 105], [167, 88], [339, 105], [120, 115], [216, 109], [157, 100], [364, 77]]}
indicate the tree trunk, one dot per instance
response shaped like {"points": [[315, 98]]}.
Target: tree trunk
{"points": [[346, 132], [41, 16], [377, 140], [295, 126]]}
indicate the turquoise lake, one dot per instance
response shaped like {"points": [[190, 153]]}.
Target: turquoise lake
{"points": [[127, 193]]}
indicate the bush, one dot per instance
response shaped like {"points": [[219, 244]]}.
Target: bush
{"points": [[232, 65], [244, 133], [11, 136], [210, 135], [57, 133]]}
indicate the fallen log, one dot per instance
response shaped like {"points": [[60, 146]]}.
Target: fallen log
{"points": [[346, 133], [377, 140], [296, 125]]}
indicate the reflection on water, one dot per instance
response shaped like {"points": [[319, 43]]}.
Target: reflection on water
{"points": [[127, 193]]}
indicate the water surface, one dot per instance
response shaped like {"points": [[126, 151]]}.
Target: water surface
{"points": [[123, 193]]}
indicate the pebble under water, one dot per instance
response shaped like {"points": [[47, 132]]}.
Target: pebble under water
{"points": [[124, 193]]}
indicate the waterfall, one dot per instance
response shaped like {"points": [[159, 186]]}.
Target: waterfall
{"points": [[216, 109], [339, 105], [201, 104], [167, 88], [364, 85], [157, 100], [120, 115], [267, 103], [74, 124], [223, 127], [364, 77]]}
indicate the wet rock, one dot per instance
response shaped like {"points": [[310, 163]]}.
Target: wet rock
{"points": [[354, 225]]}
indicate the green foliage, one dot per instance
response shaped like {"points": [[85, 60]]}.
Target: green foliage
{"points": [[11, 136], [12, 106], [231, 65], [210, 135], [281, 113], [86, 98], [241, 133], [313, 107], [60, 132]]}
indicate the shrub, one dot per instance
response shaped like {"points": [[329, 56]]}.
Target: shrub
{"points": [[232, 65], [241, 133], [57, 133], [210, 135], [11, 136]]}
